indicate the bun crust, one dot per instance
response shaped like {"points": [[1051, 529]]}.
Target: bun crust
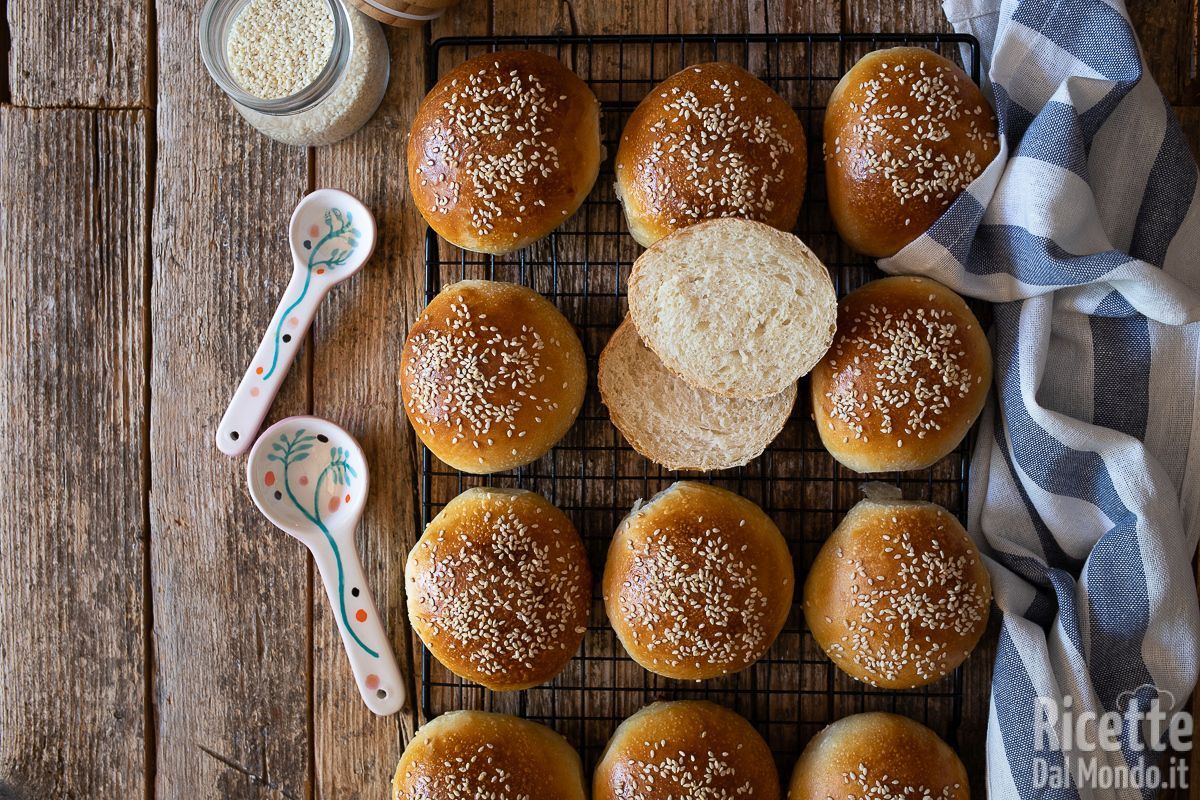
{"points": [[898, 596], [499, 588], [492, 376], [710, 141], [675, 424], [698, 582], [734, 307], [685, 749], [878, 755], [905, 132], [905, 378], [469, 754], [503, 149]]}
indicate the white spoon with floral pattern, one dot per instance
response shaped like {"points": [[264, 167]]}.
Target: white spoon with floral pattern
{"points": [[332, 234], [309, 478]]}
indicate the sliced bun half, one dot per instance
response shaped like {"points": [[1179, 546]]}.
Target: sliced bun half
{"points": [[734, 307], [673, 423]]}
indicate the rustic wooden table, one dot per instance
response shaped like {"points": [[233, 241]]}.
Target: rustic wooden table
{"points": [[157, 638]]}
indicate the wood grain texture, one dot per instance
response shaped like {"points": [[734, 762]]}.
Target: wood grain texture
{"points": [[72, 384], [250, 693], [1170, 34], [232, 595], [91, 54], [359, 335], [893, 16]]}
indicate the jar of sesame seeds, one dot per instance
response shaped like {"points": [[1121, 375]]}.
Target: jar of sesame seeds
{"points": [[303, 72]]}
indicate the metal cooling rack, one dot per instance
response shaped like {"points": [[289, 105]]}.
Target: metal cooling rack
{"points": [[595, 477]]}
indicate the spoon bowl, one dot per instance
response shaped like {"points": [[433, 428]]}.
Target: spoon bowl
{"points": [[300, 496], [331, 235], [309, 478]]}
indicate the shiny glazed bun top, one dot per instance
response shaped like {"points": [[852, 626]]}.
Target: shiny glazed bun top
{"points": [[471, 755], [710, 141], [503, 149], [905, 132], [499, 588], [878, 756], [898, 596], [907, 375], [686, 750], [492, 375], [698, 582]]}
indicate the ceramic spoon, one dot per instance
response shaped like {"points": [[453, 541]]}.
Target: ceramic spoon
{"points": [[309, 477], [331, 234]]}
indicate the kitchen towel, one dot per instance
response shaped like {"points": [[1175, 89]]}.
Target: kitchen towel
{"points": [[1085, 490]]}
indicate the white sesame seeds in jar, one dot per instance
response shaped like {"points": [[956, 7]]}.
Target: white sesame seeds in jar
{"points": [[303, 72]]}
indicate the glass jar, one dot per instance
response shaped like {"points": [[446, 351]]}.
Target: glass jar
{"points": [[339, 101]]}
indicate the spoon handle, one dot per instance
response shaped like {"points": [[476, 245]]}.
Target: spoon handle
{"points": [[270, 364], [367, 644]]}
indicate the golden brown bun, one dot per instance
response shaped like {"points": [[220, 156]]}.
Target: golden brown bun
{"points": [[499, 588], [898, 595], [503, 150], [905, 378], [878, 755], [710, 141], [685, 749], [698, 582], [470, 754], [905, 132], [492, 376]]}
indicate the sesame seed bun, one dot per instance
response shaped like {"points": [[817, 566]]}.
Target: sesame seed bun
{"points": [[698, 582], [492, 376], [685, 749], [878, 755], [464, 755], [898, 596], [710, 141], [905, 132], [503, 150], [499, 588], [905, 378]]}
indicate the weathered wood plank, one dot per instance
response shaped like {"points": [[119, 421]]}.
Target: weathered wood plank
{"points": [[894, 16], [232, 595], [1169, 31], [90, 54], [358, 338], [785, 17], [72, 392]]}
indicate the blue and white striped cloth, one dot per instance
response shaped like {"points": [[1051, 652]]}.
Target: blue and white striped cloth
{"points": [[1085, 233]]}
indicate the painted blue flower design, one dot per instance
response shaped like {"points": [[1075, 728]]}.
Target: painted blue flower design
{"points": [[339, 470]]}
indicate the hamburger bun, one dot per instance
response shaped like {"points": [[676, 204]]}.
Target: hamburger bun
{"points": [[698, 582], [898, 596], [878, 755], [477, 754], [492, 376], [905, 132], [906, 377], [710, 141], [503, 150], [733, 307], [499, 588], [685, 749], [674, 424]]}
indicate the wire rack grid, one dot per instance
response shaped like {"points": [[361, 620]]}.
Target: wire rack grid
{"points": [[595, 477]]}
